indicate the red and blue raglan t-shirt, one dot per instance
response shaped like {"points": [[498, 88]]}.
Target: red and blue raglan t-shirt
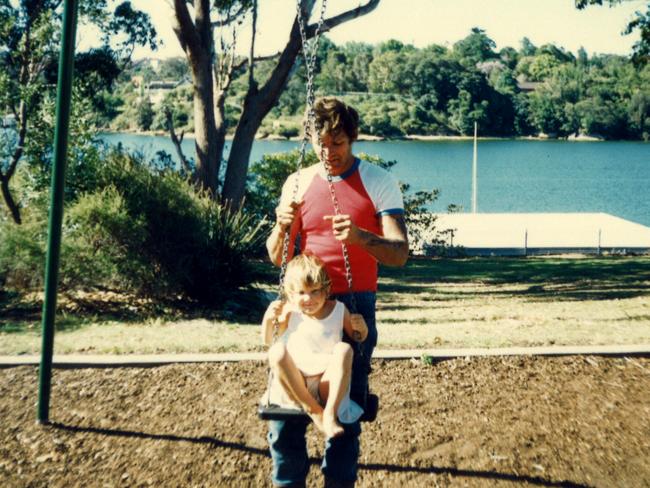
{"points": [[366, 192]]}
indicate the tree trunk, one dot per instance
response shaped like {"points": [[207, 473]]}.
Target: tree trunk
{"points": [[197, 42], [207, 157], [234, 185], [220, 128], [11, 204], [256, 106]]}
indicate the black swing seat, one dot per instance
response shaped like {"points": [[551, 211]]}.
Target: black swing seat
{"points": [[275, 412]]}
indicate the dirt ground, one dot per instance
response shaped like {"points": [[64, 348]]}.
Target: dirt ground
{"points": [[531, 421]]}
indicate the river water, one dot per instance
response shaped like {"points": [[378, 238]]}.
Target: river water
{"points": [[513, 175]]}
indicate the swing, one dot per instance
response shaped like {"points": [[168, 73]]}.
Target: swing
{"points": [[370, 402]]}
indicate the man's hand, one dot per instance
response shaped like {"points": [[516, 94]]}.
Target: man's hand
{"points": [[285, 215], [344, 229], [359, 327]]}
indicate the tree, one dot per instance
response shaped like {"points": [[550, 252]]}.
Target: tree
{"points": [[509, 56], [639, 114], [212, 67], [476, 47], [388, 73], [173, 69], [145, 113], [641, 22], [527, 47], [547, 112], [29, 38], [583, 57]]}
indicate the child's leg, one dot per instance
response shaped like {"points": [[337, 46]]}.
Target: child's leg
{"points": [[334, 386], [294, 383]]}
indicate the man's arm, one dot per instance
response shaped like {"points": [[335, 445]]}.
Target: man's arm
{"points": [[274, 244], [391, 248], [286, 221]]}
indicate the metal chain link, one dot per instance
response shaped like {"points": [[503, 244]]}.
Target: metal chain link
{"points": [[309, 123], [309, 51]]}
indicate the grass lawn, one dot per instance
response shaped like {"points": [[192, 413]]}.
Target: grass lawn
{"points": [[477, 302]]}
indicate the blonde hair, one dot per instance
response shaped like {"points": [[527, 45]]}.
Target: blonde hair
{"points": [[306, 269]]}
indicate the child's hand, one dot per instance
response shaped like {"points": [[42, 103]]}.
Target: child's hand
{"points": [[278, 310], [359, 327], [275, 321]]}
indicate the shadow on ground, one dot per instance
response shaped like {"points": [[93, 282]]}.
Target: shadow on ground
{"points": [[389, 468], [558, 279], [540, 279]]}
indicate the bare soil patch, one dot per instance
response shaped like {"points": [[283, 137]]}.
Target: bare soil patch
{"points": [[497, 421]]}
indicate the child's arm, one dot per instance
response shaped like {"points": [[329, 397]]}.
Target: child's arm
{"points": [[277, 309], [355, 326]]}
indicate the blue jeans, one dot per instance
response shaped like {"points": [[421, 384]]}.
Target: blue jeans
{"points": [[287, 437]]}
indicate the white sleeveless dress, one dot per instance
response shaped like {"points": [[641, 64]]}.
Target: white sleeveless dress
{"points": [[310, 342]]}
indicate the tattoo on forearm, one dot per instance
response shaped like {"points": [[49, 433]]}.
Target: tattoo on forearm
{"points": [[377, 241]]}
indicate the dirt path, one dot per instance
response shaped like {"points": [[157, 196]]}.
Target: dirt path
{"points": [[572, 421]]}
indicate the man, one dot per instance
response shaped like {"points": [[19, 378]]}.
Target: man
{"points": [[371, 225]]}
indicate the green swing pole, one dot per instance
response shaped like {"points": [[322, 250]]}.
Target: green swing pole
{"points": [[64, 91]]}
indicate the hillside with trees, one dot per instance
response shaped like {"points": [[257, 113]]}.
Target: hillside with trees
{"points": [[401, 90]]}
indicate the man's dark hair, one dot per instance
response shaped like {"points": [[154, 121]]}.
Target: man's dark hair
{"points": [[333, 117]]}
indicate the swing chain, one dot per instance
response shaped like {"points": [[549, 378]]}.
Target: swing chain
{"points": [[309, 51]]}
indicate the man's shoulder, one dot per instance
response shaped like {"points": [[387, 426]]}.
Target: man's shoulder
{"points": [[304, 176], [382, 188], [375, 176], [303, 173], [373, 170]]}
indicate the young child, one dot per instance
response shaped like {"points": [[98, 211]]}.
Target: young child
{"points": [[310, 362]]}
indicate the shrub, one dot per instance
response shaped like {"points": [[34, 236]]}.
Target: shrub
{"points": [[266, 178], [101, 242], [140, 229], [190, 243], [288, 131], [22, 250]]}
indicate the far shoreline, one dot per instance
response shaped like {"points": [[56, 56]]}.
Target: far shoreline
{"points": [[408, 137]]}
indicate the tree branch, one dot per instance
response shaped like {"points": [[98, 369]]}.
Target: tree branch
{"points": [[202, 23], [177, 141], [185, 29], [242, 65], [251, 67], [329, 24], [230, 18]]}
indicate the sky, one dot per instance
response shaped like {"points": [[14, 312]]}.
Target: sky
{"points": [[424, 22]]}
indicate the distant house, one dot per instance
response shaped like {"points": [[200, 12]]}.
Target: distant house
{"points": [[162, 85], [8, 120], [528, 86], [157, 89]]}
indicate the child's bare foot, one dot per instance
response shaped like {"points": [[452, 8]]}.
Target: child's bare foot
{"points": [[331, 426], [317, 418]]}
